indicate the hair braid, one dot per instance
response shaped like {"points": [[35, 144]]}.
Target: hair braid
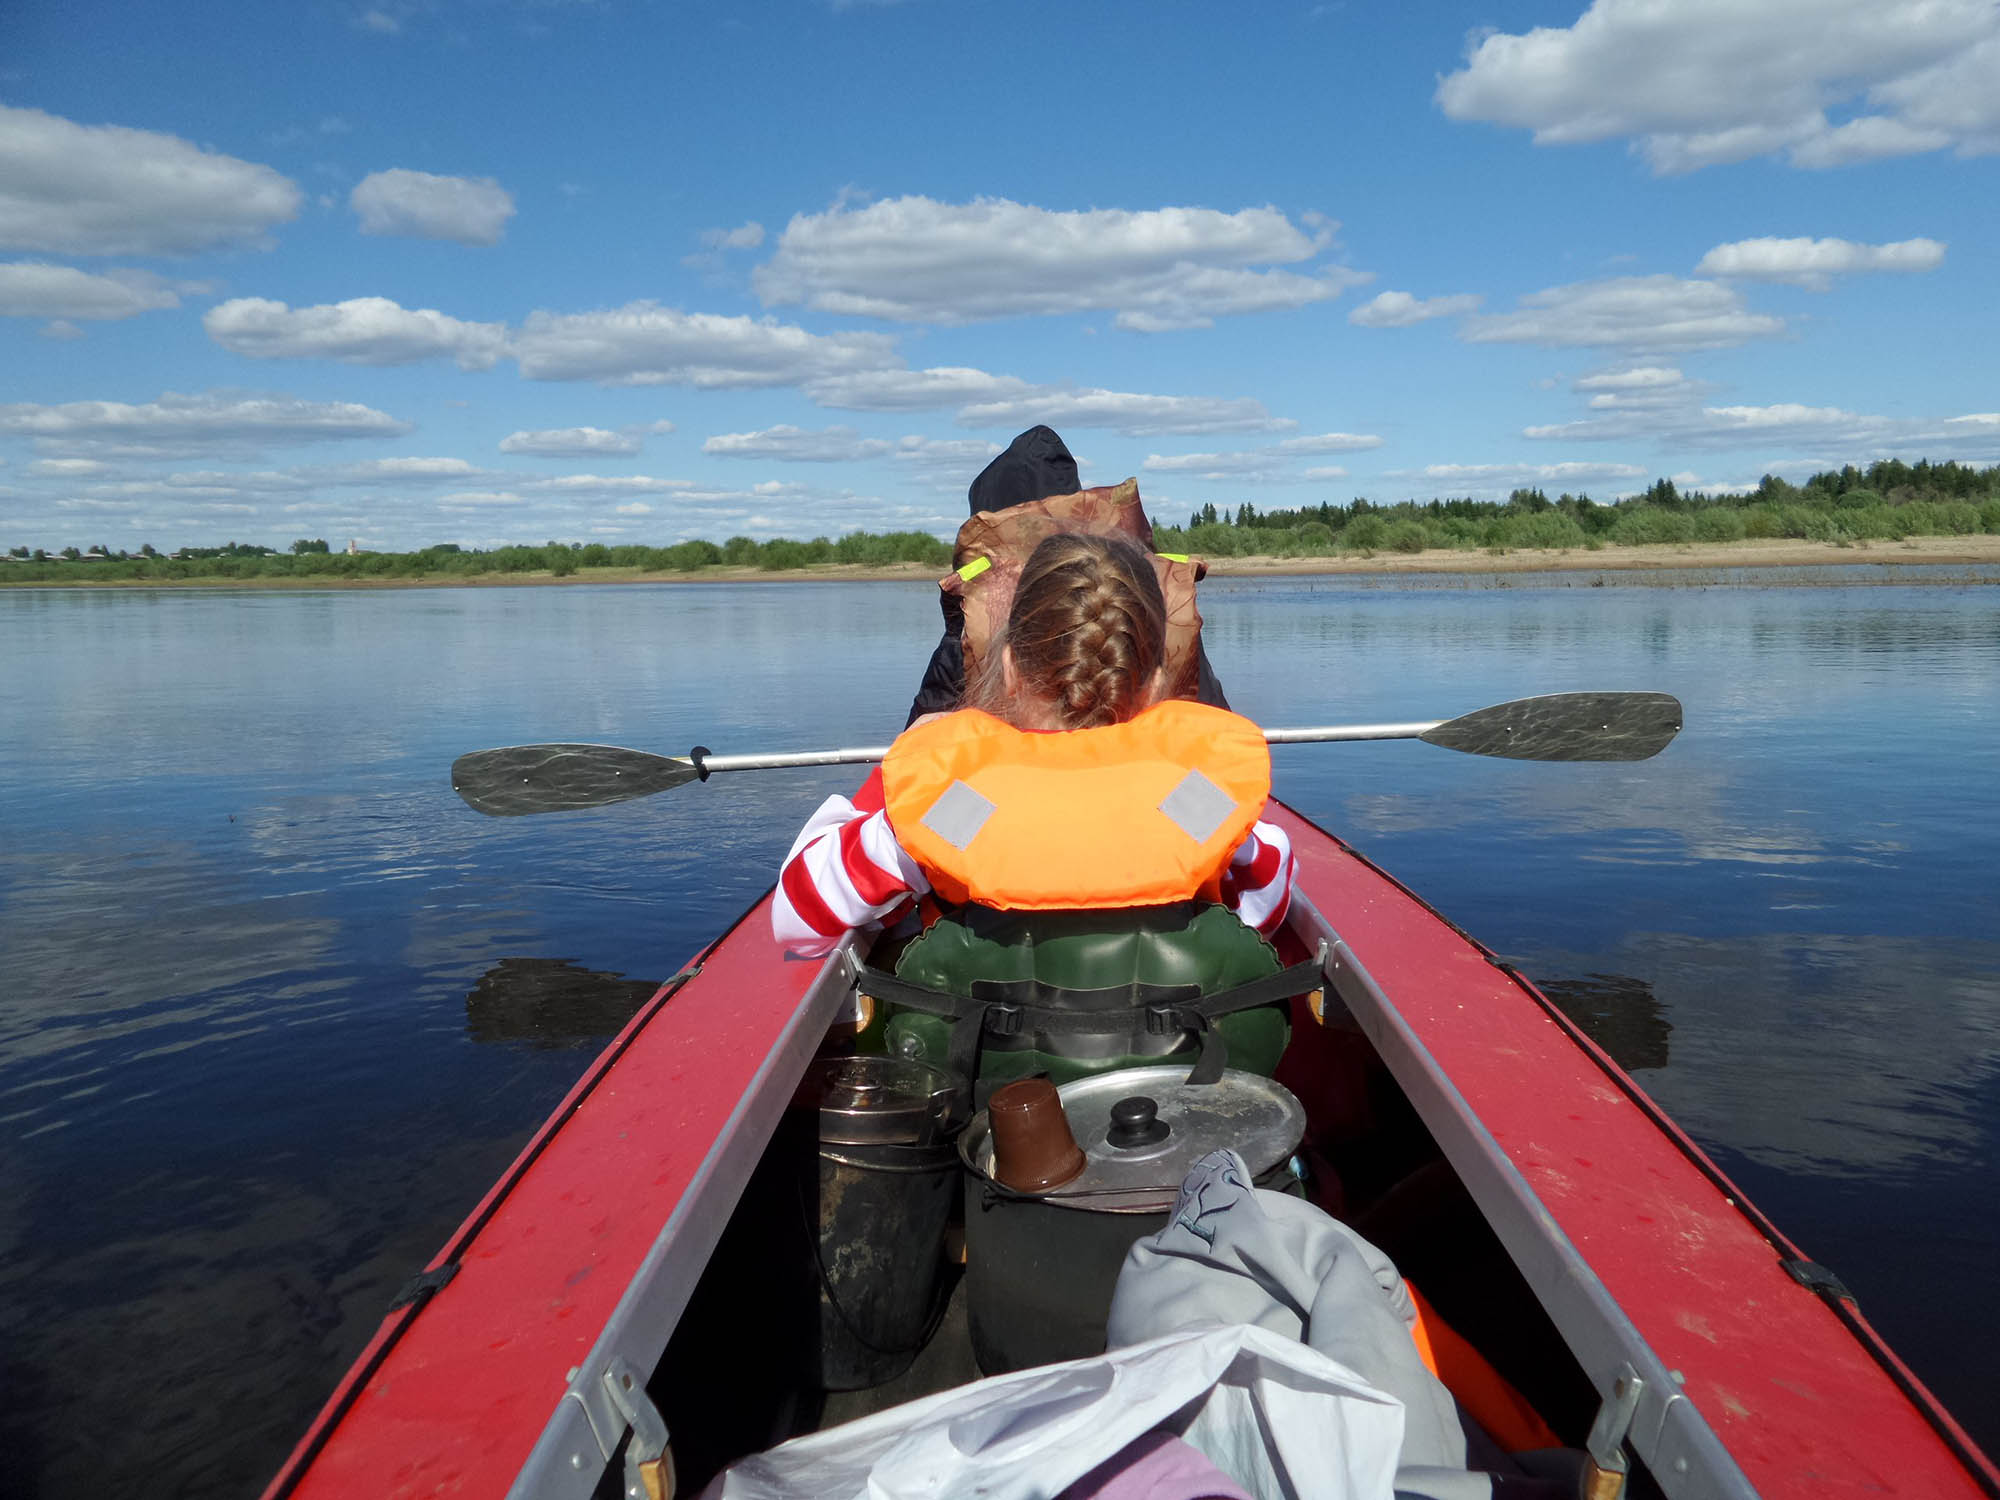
{"points": [[1087, 631]]}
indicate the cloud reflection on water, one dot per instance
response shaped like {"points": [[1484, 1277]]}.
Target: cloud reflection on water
{"points": [[1813, 1053]]}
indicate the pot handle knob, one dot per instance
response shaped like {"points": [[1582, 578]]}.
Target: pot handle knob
{"points": [[1136, 1122]]}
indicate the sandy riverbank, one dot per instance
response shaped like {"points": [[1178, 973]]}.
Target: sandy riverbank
{"points": [[1929, 558]]}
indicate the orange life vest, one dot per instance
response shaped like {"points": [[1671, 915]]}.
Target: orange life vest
{"points": [[994, 545], [1135, 814]]}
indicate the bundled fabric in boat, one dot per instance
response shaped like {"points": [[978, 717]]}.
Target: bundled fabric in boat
{"points": [[1152, 808], [1234, 1253], [1277, 1417], [993, 547]]}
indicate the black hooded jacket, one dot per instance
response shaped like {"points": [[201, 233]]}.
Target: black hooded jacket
{"points": [[1035, 466]]}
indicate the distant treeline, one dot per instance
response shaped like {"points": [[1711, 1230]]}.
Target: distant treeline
{"points": [[311, 558], [1887, 501]]}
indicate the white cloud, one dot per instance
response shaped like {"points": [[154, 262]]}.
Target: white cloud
{"points": [[62, 328], [1331, 442], [107, 190], [912, 390], [470, 210], [1480, 480], [1712, 81], [1831, 434], [1814, 263], [1638, 378], [1871, 138], [916, 260], [393, 471], [192, 424], [36, 289], [68, 468], [360, 331], [1400, 309], [643, 343], [798, 445], [743, 237], [571, 442], [478, 500], [606, 484], [1630, 312], [1128, 413], [1270, 465], [1954, 97], [949, 463], [1788, 417], [380, 22]]}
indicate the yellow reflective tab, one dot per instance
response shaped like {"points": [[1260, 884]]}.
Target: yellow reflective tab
{"points": [[1175, 556], [974, 568]]}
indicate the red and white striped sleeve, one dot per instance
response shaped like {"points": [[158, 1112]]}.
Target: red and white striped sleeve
{"points": [[1257, 886], [845, 870]]}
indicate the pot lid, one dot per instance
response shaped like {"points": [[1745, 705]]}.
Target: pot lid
{"points": [[1135, 1156], [879, 1101]]}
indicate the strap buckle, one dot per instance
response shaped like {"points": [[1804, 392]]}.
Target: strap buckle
{"points": [[1003, 1019]]}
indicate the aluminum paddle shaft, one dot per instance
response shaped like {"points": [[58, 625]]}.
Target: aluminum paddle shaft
{"points": [[519, 779]]}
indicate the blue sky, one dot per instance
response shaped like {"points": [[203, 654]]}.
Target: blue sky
{"points": [[481, 271]]}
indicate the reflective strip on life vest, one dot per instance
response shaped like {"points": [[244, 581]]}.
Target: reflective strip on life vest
{"points": [[1133, 814]]}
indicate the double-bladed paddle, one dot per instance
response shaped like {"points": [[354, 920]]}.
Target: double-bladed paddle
{"points": [[1555, 726]]}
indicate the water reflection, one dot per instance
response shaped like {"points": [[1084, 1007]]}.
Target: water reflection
{"points": [[1619, 1013], [551, 1002], [257, 952], [1835, 1056]]}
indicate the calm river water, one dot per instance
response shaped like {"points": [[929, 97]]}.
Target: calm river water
{"points": [[276, 1006]]}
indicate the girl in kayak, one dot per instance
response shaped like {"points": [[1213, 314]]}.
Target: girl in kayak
{"points": [[1064, 783]]}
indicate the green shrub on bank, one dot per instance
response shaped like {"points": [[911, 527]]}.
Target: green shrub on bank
{"points": [[1548, 529], [1652, 526], [1888, 501], [1718, 526]]}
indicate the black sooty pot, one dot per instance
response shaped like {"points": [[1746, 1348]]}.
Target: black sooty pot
{"points": [[1041, 1267]]}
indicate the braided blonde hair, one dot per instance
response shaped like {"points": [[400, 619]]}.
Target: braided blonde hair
{"points": [[1086, 634]]}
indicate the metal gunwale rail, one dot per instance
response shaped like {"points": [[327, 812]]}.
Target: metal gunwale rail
{"points": [[1681, 1450], [584, 1432]]}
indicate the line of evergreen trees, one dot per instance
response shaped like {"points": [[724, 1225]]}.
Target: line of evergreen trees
{"points": [[1887, 501], [311, 558]]}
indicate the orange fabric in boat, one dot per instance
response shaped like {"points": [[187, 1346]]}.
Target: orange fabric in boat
{"points": [[1482, 1390], [1135, 814]]}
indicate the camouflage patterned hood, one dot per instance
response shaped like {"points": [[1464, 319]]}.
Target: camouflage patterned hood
{"points": [[1004, 539]]}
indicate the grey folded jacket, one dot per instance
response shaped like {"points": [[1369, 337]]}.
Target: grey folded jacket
{"points": [[1234, 1254]]}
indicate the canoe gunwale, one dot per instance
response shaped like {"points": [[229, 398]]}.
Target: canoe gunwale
{"points": [[585, 1430], [1837, 1300], [1667, 1432]]}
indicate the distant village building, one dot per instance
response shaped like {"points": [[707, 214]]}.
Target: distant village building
{"points": [[353, 547]]}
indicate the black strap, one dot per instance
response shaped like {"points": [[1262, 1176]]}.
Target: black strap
{"points": [[1007, 1007], [424, 1285]]}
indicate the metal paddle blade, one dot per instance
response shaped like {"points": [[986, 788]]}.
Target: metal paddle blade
{"points": [[521, 779], [1565, 726]]}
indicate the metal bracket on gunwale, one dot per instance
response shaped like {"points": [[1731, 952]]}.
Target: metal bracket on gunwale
{"points": [[1606, 1443], [649, 1462]]}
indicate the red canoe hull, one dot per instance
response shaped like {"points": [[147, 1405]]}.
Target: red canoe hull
{"points": [[588, 1248]]}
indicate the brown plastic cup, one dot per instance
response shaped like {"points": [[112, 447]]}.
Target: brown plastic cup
{"points": [[1033, 1149]]}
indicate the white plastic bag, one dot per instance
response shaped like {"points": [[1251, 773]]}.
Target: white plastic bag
{"points": [[1281, 1419]]}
